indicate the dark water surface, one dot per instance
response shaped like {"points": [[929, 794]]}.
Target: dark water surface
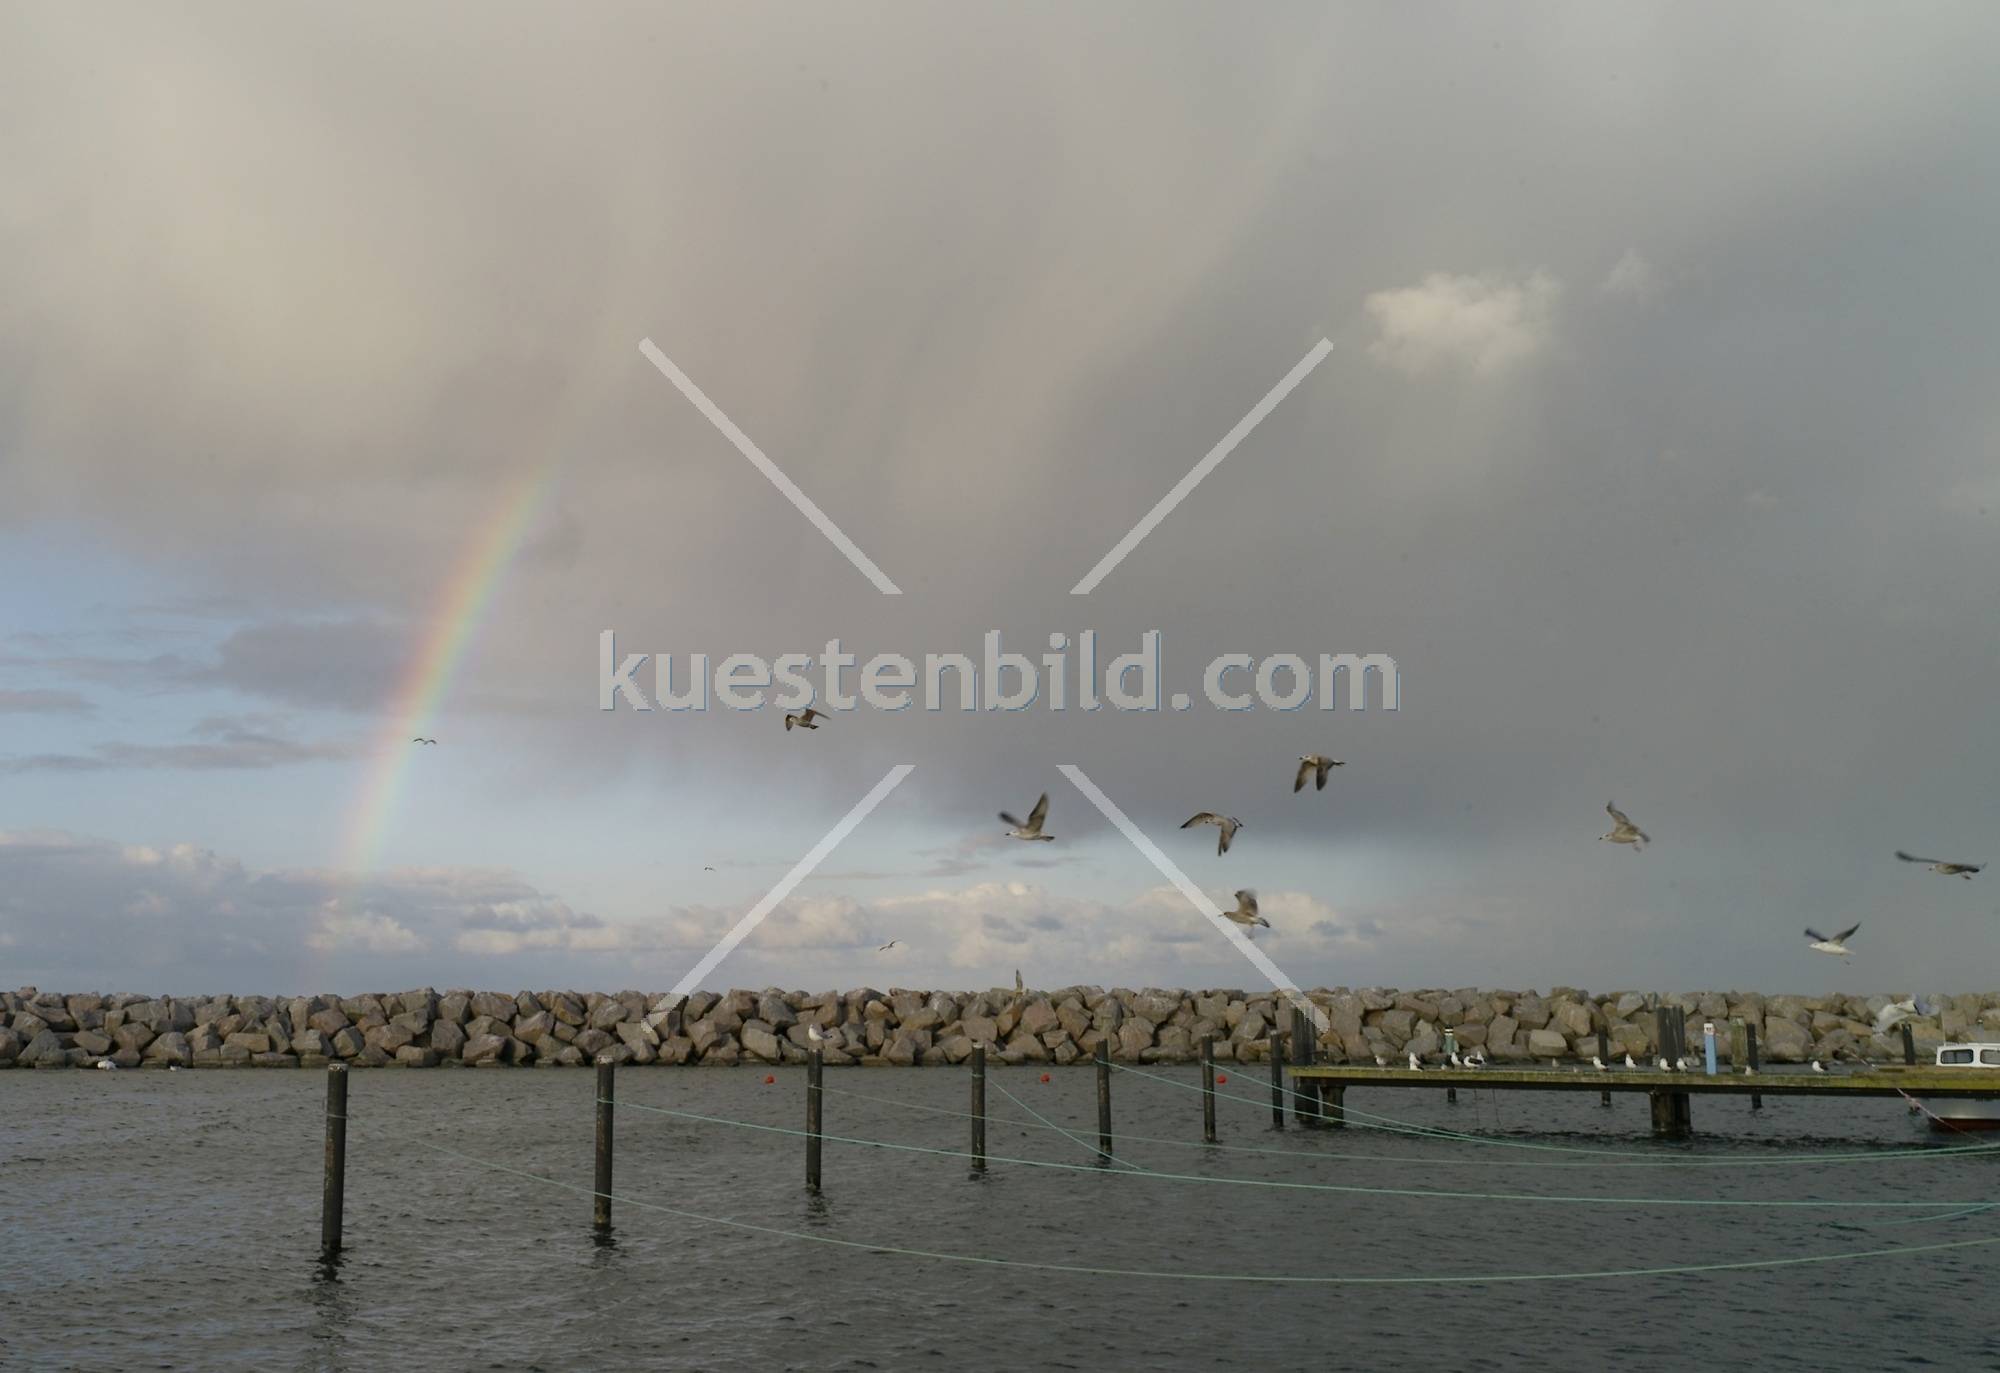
{"points": [[155, 1220]]}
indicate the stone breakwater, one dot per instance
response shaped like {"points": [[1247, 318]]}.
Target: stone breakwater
{"points": [[426, 1028]]}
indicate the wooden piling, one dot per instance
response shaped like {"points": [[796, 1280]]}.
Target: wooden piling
{"points": [[1303, 1044], [1104, 1101], [601, 1197], [814, 1063], [1334, 1095], [333, 1189], [1208, 1089], [1604, 1057], [1277, 1081], [1750, 1056], [1909, 1045], [979, 1108]]}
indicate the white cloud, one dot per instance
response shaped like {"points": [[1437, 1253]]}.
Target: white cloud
{"points": [[1632, 278], [1489, 323], [368, 930]]}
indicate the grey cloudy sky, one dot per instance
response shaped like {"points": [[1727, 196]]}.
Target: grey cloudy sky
{"points": [[1657, 442]]}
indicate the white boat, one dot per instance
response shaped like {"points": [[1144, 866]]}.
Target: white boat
{"points": [[1966, 1113]]}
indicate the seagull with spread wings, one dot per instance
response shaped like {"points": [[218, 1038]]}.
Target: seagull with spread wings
{"points": [[1964, 870], [1246, 913], [1033, 828], [1228, 824], [1315, 766], [1623, 831], [804, 719]]}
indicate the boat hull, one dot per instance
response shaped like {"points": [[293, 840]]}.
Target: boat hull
{"points": [[1961, 1113]]}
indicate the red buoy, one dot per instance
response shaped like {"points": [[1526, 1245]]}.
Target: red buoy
{"points": [[769, 1079], [1045, 1077], [1221, 1079]]}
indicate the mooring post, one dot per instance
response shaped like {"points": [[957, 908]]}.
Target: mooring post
{"points": [[1104, 1100], [1208, 1089], [333, 1190], [1277, 1081], [606, 1093], [1663, 1032], [1604, 1057], [1909, 1045], [1750, 1057], [979, 1108], [1303, 1044], [814, 1062]]}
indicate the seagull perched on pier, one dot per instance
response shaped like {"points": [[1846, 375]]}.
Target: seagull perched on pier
{"points": [[1598, 1064], [1033, 828], [1836, 945], [1475, 1059], [815, 1035], [1315, 766], [1381, 1062], [1415, 1065], [1623, 831], [1246, 912], [1455, 1060], [1964, 870], [1818, 1067], [1683, 1065], [1629, 1063], [1663, 1065], [1228, 824]]}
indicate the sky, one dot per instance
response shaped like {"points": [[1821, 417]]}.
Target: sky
{"points": [[1655, 439]]}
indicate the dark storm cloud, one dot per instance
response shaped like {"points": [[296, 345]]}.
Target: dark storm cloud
{"points": [[1655, 442]]}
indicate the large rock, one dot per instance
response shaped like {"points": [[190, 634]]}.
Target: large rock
{"points": [[1784, 1040], [484, 1049], [170, 1049], [1038, 1017], [775, 1012], [495, 1005], [757, 1039], [447, 1038], [1546, 1043], [1134, 1037], [44, 1050]]}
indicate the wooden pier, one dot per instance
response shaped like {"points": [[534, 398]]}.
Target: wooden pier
{"points": [[1669, 1091]]}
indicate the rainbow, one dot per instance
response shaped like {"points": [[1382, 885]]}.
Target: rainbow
{"points": [[453, 623]]}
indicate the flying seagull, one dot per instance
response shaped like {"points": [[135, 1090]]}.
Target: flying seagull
{"points": [[1314, 765], [805, 719], [888, 946], [423, 741], [1964, 870], [1246, 912], [1228, 824], [1623, 831], [1033, 829], [705, 867], [1836, 945]]}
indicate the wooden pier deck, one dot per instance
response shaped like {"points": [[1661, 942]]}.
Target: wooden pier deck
{"points": [[1669, 1092]]}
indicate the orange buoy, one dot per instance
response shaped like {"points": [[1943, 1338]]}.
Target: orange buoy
{"points": [[1045, 1077], [769, 1079]]}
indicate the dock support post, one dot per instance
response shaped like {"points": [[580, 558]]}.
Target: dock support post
{"points": [[1604, 1057], [1334, 1094], [1750, 1055], [1909, 1045], [814, 1063], [1277, 1081], [1304, 1101], [1104, 1101], [601, 1196], [1208, 1089], [979, 1108], [333, 1190], [1671, 1117]]}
